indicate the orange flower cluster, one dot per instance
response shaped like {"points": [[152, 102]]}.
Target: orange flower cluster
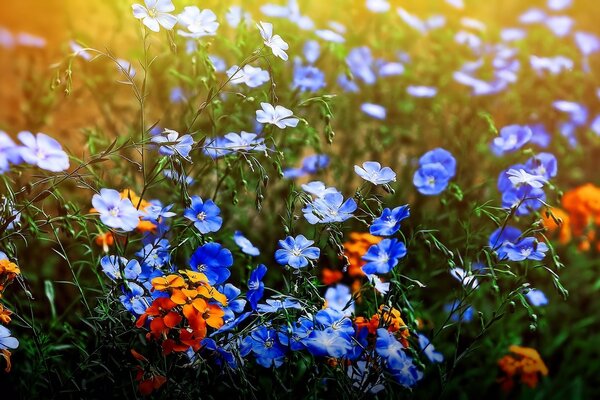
{"points": [[182, 319], [579, 217], [387, 317], [8, 273], [107, 239], [522, 362]]}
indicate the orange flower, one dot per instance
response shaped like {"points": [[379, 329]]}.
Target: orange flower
{"points": [[136, 200], [330, 276], [391, 318], [164, 283], [563, 227], [4, 314], [147, 386], [371, 324], [522, 362], [357, 247], [146, 226], [9, 268], [105, 240]]}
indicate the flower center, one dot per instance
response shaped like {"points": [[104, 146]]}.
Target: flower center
{"points": [[296, 252], [253, 285], [201, 216], [114, 212], [526, 252], [152, 12], [269, 343], [201, 267], [431, 181]]}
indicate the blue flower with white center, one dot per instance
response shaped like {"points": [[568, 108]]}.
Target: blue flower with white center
{"points": [[431, 179], [155, 254], [459, 313], [373, 172], [336, 320], [526, 249], [502, 236], [511, 139], [205, 215], [279, 116], [307, 78], [382, 257], [429, 350], [215, 148], [245, 245], [374, 110], [520, 177], [276, 304], [543, 164], [296, 252], [213, 260], [115, 212], [113, 265], [43, 151], [256, 287], [244, 141], [171, 144], [327, 343], [318, 188], [294, 336], [388, 222], [265, 345], [251, 76], [536, 298], [134, 299], [329, 208]]}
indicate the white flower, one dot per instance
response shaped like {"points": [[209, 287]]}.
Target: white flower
{"points": [[275, 42], [380, 286], [155, 14], [278, 116], [198, 22], [467, 279], [521, 177]]}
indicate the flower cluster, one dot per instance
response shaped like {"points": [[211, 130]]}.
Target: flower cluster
{"points": [[8, 272]]}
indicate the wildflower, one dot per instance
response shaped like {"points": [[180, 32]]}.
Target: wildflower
{"points": [[327, 342], [383, 257], [378, 6], [526, 249], [312, 51], [511, 138], [440, 156], [339, 298], [330, 36], [279, 116], [113, 265], [401, 365], [276, 304], [536, 298], [155, 14], [214, 261], [171, 144], [307, 78], [250, 76], [205, 215], [318, 188], [7, 342], [388, 222], [43, 151], [244, 141], [9, 152], [115, 211], [522, 362], [275, 42], [310, 165], [355, 249], [294, 336], [373, 172], [155, 254], [521, 177], [431, 179], [169, 282], [467, 279], [429, 350], [360, 63], [133, 298], [329, 208], [421, 91], [373, 110], [149, 385], [459, 312], [198, 22], [245, 245], [256, 287], [296, 252], [105, 240], [380, 286], [265, 345]]}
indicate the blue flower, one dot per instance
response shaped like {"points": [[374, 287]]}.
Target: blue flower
{"points": [[115, 212], [251, 76], [429, 350], [43, 151], [543, 164], [360, 63], [312, 51], [373, 110], [133, 299], [339, 298], [279, 116], [171, 144], [256, 287], [155, 254], [336, 320], [213, 260], [536, 297], [232, 293], [245, 245], [307, 78], [421, 91], [296, 252], [9, 152], [6, 340], [329, 208], [310, 165], [431, 179], [295, 336], [318, 188], [462, 314], [205, 215], [526, 249], [511, 138], [383, 257], [388, 222], [265, 345], [441, 156], [327, 343], [276, 304], [244, 141], [400, 365], [373, 172], [113, 265], [501, 236], [215, 148]]}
